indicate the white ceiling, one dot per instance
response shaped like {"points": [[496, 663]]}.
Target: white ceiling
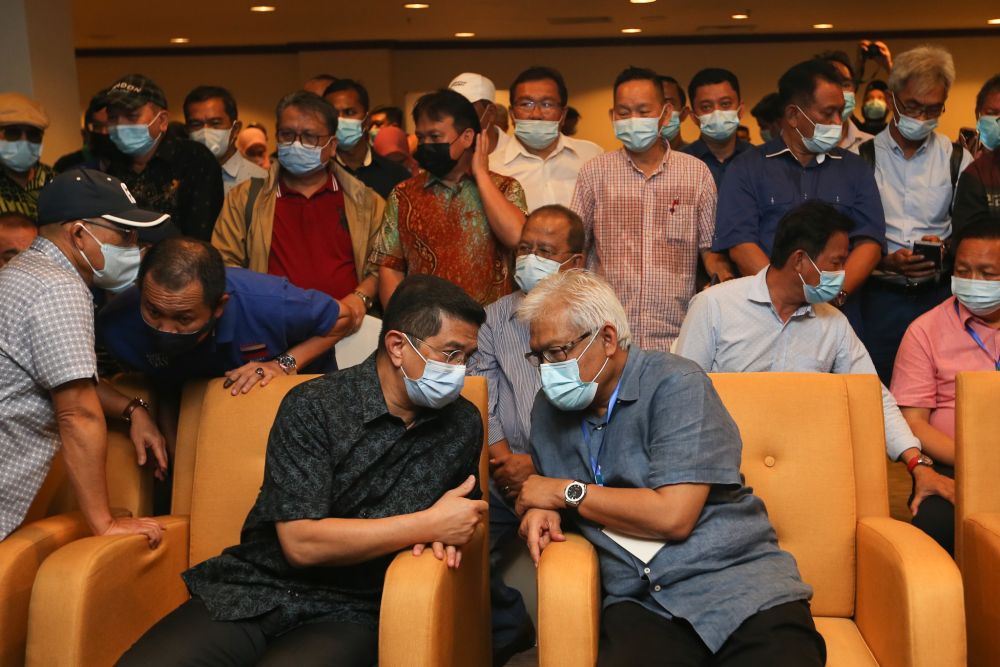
{"points": [[126, 23]]}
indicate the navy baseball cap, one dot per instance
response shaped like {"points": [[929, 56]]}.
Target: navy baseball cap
{"points": [[80, 194]]}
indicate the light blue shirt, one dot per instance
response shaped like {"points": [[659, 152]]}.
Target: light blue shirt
{"points": [[734, 328], [513, 381], [237, 169], [916, 193]]}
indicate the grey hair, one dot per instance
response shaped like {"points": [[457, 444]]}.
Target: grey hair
{"points": [[926, 65], [583, 299]]}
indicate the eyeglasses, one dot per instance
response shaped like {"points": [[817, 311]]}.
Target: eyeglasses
{"points": [[554, 355], [914, 110], [455, 357], [131, 236], [527, 105], [307, 139], [541, 251], [16, 132]]}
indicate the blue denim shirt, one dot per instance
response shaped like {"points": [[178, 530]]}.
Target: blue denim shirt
{"points": [[669, 426]]}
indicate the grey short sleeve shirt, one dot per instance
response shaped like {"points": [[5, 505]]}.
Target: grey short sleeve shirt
{"points": [[670, 427], [46, 340]]}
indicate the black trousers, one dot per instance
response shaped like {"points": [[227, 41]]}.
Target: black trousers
{"points": [[632, 636], [188, 637], [936, 516]]}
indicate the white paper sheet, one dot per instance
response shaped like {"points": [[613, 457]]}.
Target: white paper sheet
{"points": [[642, 549]]}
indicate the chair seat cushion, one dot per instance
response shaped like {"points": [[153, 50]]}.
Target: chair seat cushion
{"points": [[845, 647]]}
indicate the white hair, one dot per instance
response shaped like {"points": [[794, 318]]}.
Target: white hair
{"points": [[582, 299], [925, 66]]}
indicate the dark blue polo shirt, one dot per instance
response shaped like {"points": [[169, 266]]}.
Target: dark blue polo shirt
{"points": [[700, 150], [767, 181], [264, 317]]}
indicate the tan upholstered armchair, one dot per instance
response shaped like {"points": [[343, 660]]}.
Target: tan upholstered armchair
{"points": [[99, 595], [977, 510], [814, 450], [52, 521]]}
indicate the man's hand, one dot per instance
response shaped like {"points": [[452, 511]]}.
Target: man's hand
{"points": [[354, 309], [243, 379], [510, 470], [908, 263], [481, 156], [884, 54], [145, 435], [150, 528], [718, 264], [453, 521], [538, 529], [545, 493], [928, 482]]}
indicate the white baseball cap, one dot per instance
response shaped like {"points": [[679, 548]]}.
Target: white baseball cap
{"points": [[474, 87]]}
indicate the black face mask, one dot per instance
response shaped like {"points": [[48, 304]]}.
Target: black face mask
{"points": [[436, 158], [173, 344]]}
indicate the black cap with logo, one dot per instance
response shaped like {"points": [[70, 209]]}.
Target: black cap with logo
{"points": [[134, 90]]}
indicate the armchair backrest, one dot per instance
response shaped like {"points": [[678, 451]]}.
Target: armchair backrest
{"points": [[230, 454], [977, 447], [814, 451]]}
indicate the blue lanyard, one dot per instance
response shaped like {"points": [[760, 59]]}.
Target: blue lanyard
{"points": [[979, 341], [595, 461]]}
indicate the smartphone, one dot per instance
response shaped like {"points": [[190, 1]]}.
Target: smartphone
{"points": [[968, 135], [929, 251]]}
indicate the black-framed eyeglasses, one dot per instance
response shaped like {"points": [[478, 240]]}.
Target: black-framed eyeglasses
{"points": [[914, 110], [131, 236], [307, 138], [454, 357], [17, 132], [554, 355]]}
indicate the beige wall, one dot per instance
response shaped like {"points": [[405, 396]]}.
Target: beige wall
{"points": [[259, 80]]}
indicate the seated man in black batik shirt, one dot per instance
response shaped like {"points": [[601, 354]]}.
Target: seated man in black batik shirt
{"points": [[361, 464]]}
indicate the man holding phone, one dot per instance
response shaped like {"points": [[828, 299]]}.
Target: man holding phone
{"points": [[916, 170]]}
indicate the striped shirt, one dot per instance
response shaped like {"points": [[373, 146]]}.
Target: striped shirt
{"points": [[644, 236], [513, 381], [15, 199]]}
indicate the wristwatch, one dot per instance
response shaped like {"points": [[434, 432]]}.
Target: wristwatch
{"points": [[575, 493], [919, 460], [287, 363], [131, 407], [365, 299], [840, 299]]}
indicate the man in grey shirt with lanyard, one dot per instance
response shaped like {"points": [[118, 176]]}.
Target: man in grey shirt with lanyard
{"points": [[672, 476]]}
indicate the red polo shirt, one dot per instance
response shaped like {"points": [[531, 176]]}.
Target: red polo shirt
{"points": [[311, 245]]}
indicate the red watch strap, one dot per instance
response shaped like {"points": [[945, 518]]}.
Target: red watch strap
{"points": [[912, 463]]}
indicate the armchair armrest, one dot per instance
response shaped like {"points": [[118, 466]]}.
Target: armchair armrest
{"points": [[435, 617], [96, 596], [981, 572], [569, 603], [21, 554], [910, 608]]}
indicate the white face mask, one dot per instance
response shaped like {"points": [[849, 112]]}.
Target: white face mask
{"points": [[214, 140], [121, 265]]}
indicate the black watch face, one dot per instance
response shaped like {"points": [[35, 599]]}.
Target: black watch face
{"points": [[574, 492]]}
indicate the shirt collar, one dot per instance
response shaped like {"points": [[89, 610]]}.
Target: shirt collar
{"points": [[965, 316], [516, 297], [777, 146], [891, 143], [330, 185], [365, 163], [759, 293], [514, 149], [50, 250], [434, 180], [233, 164], [369, 392], [661, 167], [700, 149], [631, 384]]}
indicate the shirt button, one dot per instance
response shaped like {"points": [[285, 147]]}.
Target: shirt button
{"points": [[656, 588], [645, 570], [769, 461]]}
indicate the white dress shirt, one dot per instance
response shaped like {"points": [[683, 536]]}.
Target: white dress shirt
{"points": [[237, 169], [548, 181]]}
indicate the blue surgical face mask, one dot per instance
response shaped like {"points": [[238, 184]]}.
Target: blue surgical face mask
{"points": [[980, 297], [720, 124], [299, 159], [911, 128], [830, 284], [133, 139], [850, 103], [673, 126], [989, 131], [825, 136], [638, 134], [537, 134], [19, 156], [530, 269], [121, 265], [563, 386], [349, 132], [439, 385]]}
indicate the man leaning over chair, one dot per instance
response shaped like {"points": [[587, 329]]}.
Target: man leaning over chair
{"points": [[670, 475]]}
